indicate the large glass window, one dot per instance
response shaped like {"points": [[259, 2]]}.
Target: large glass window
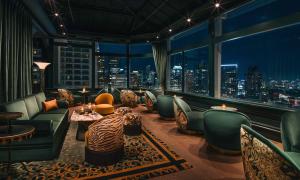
{"points": [[263, 67], [111, 70], [143, 73], [258, 12], [175, 72], [196, 72], [140, 48], [111, 48], [74, 66]]}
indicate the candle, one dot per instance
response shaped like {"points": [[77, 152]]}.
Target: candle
{"points": [[83, 90], [223, 106]]}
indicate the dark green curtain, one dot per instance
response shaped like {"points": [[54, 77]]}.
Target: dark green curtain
{"points": [[160, 55], [15, 51]]}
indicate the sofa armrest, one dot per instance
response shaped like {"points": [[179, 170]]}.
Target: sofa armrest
{"points": [[62, 104], [42, 127]]}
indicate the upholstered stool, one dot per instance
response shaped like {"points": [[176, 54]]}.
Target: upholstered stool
{"points": [[123, 110], [132, 124], [104, 109], [105, 141], [222, 130]]}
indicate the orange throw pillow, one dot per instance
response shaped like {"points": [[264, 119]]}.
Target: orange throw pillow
{"points": [[49, 105]]}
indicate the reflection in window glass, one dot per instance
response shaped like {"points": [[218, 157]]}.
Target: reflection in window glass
{"points": [[263, 67], [111, 70], [110, 48], [190, 37], [258, 12], [143, 73], [140, 48], [175, 72], [196, 72]]}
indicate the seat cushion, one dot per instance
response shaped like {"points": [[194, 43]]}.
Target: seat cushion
{"points": [[17, 106], [104, 109], [48, 116], [40, 97], [32, 106], [195, 121], [56, 111]]}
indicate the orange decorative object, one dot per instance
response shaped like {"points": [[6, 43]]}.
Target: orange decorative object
{"points": [[49, 105], [104, 104]]}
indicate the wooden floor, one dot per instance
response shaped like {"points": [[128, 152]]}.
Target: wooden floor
{"points": [[206, 164]]}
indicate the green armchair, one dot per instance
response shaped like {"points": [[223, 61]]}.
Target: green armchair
{"points": [[188, 121], [151, 101], [222, 130], [165, 107], [290, 132], [263, 160]]}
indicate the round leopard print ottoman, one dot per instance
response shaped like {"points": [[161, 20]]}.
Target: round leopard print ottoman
{"points": [[132, 124], [105, 141]]}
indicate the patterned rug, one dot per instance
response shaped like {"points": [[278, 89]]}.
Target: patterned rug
{"points": [[145, 156]]}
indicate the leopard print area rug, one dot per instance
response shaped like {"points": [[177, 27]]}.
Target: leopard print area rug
{"points": [[145, 157]]}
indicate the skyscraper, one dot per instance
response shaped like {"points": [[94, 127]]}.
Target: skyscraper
{"points": [[253, 83], [176, 78], [229, 81]]}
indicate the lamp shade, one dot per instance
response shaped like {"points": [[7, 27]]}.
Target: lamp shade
{"points": [[41, 65]]}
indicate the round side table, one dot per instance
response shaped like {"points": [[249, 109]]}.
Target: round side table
{"points": [[10, 133]]}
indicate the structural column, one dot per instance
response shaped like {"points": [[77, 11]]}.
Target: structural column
{"points": [[214, 61]]}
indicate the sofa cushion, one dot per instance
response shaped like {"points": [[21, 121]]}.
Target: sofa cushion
{"points": [[53, 117], [56, 111], [17, 106], [40, 97], [32, 106]]}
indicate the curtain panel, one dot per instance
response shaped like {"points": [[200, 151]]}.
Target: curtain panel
{"points": [[15, 51], [160, 54]]}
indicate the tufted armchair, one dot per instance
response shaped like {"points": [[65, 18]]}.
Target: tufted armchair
{"points": [[151, 101], [104, 140], [129, 98], [290, 132], [263, 160], [188, 121], [104, 104]]}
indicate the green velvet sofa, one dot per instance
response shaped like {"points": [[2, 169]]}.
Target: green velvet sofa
{"points": [[50, 129]]}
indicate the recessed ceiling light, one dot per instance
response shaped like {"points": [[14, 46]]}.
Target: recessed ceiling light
{"points": [[170, 30], [63, 33], [56, 14], [188, 19], [147, 41], [61, 25], [157, 37], [217, 5]]}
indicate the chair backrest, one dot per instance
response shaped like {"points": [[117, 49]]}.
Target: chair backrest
{"points": [[150, 100], [182, 105], [66, 95], [104, 98], [263, 160], [290, 131], [129, 98]]}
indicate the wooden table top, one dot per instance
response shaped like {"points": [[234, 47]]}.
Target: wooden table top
{"points": [[17, 133], [10, 115]]}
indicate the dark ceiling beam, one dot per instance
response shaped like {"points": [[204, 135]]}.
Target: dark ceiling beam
{"points": [[89, 7], [134, 19], [151, 14], [128, 8]]}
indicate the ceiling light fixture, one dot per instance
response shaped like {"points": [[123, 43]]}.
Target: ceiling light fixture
{"points": [[217, 5], [170, 30], [157, 37], [56, 14], [63, 33], [189, 20], [147, 41], [61, 25]]}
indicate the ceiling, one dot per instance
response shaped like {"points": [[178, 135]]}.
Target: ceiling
{"points": [[134, 20]]}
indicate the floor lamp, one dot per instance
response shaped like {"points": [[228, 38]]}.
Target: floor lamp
{"points": [[42, 66]]}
